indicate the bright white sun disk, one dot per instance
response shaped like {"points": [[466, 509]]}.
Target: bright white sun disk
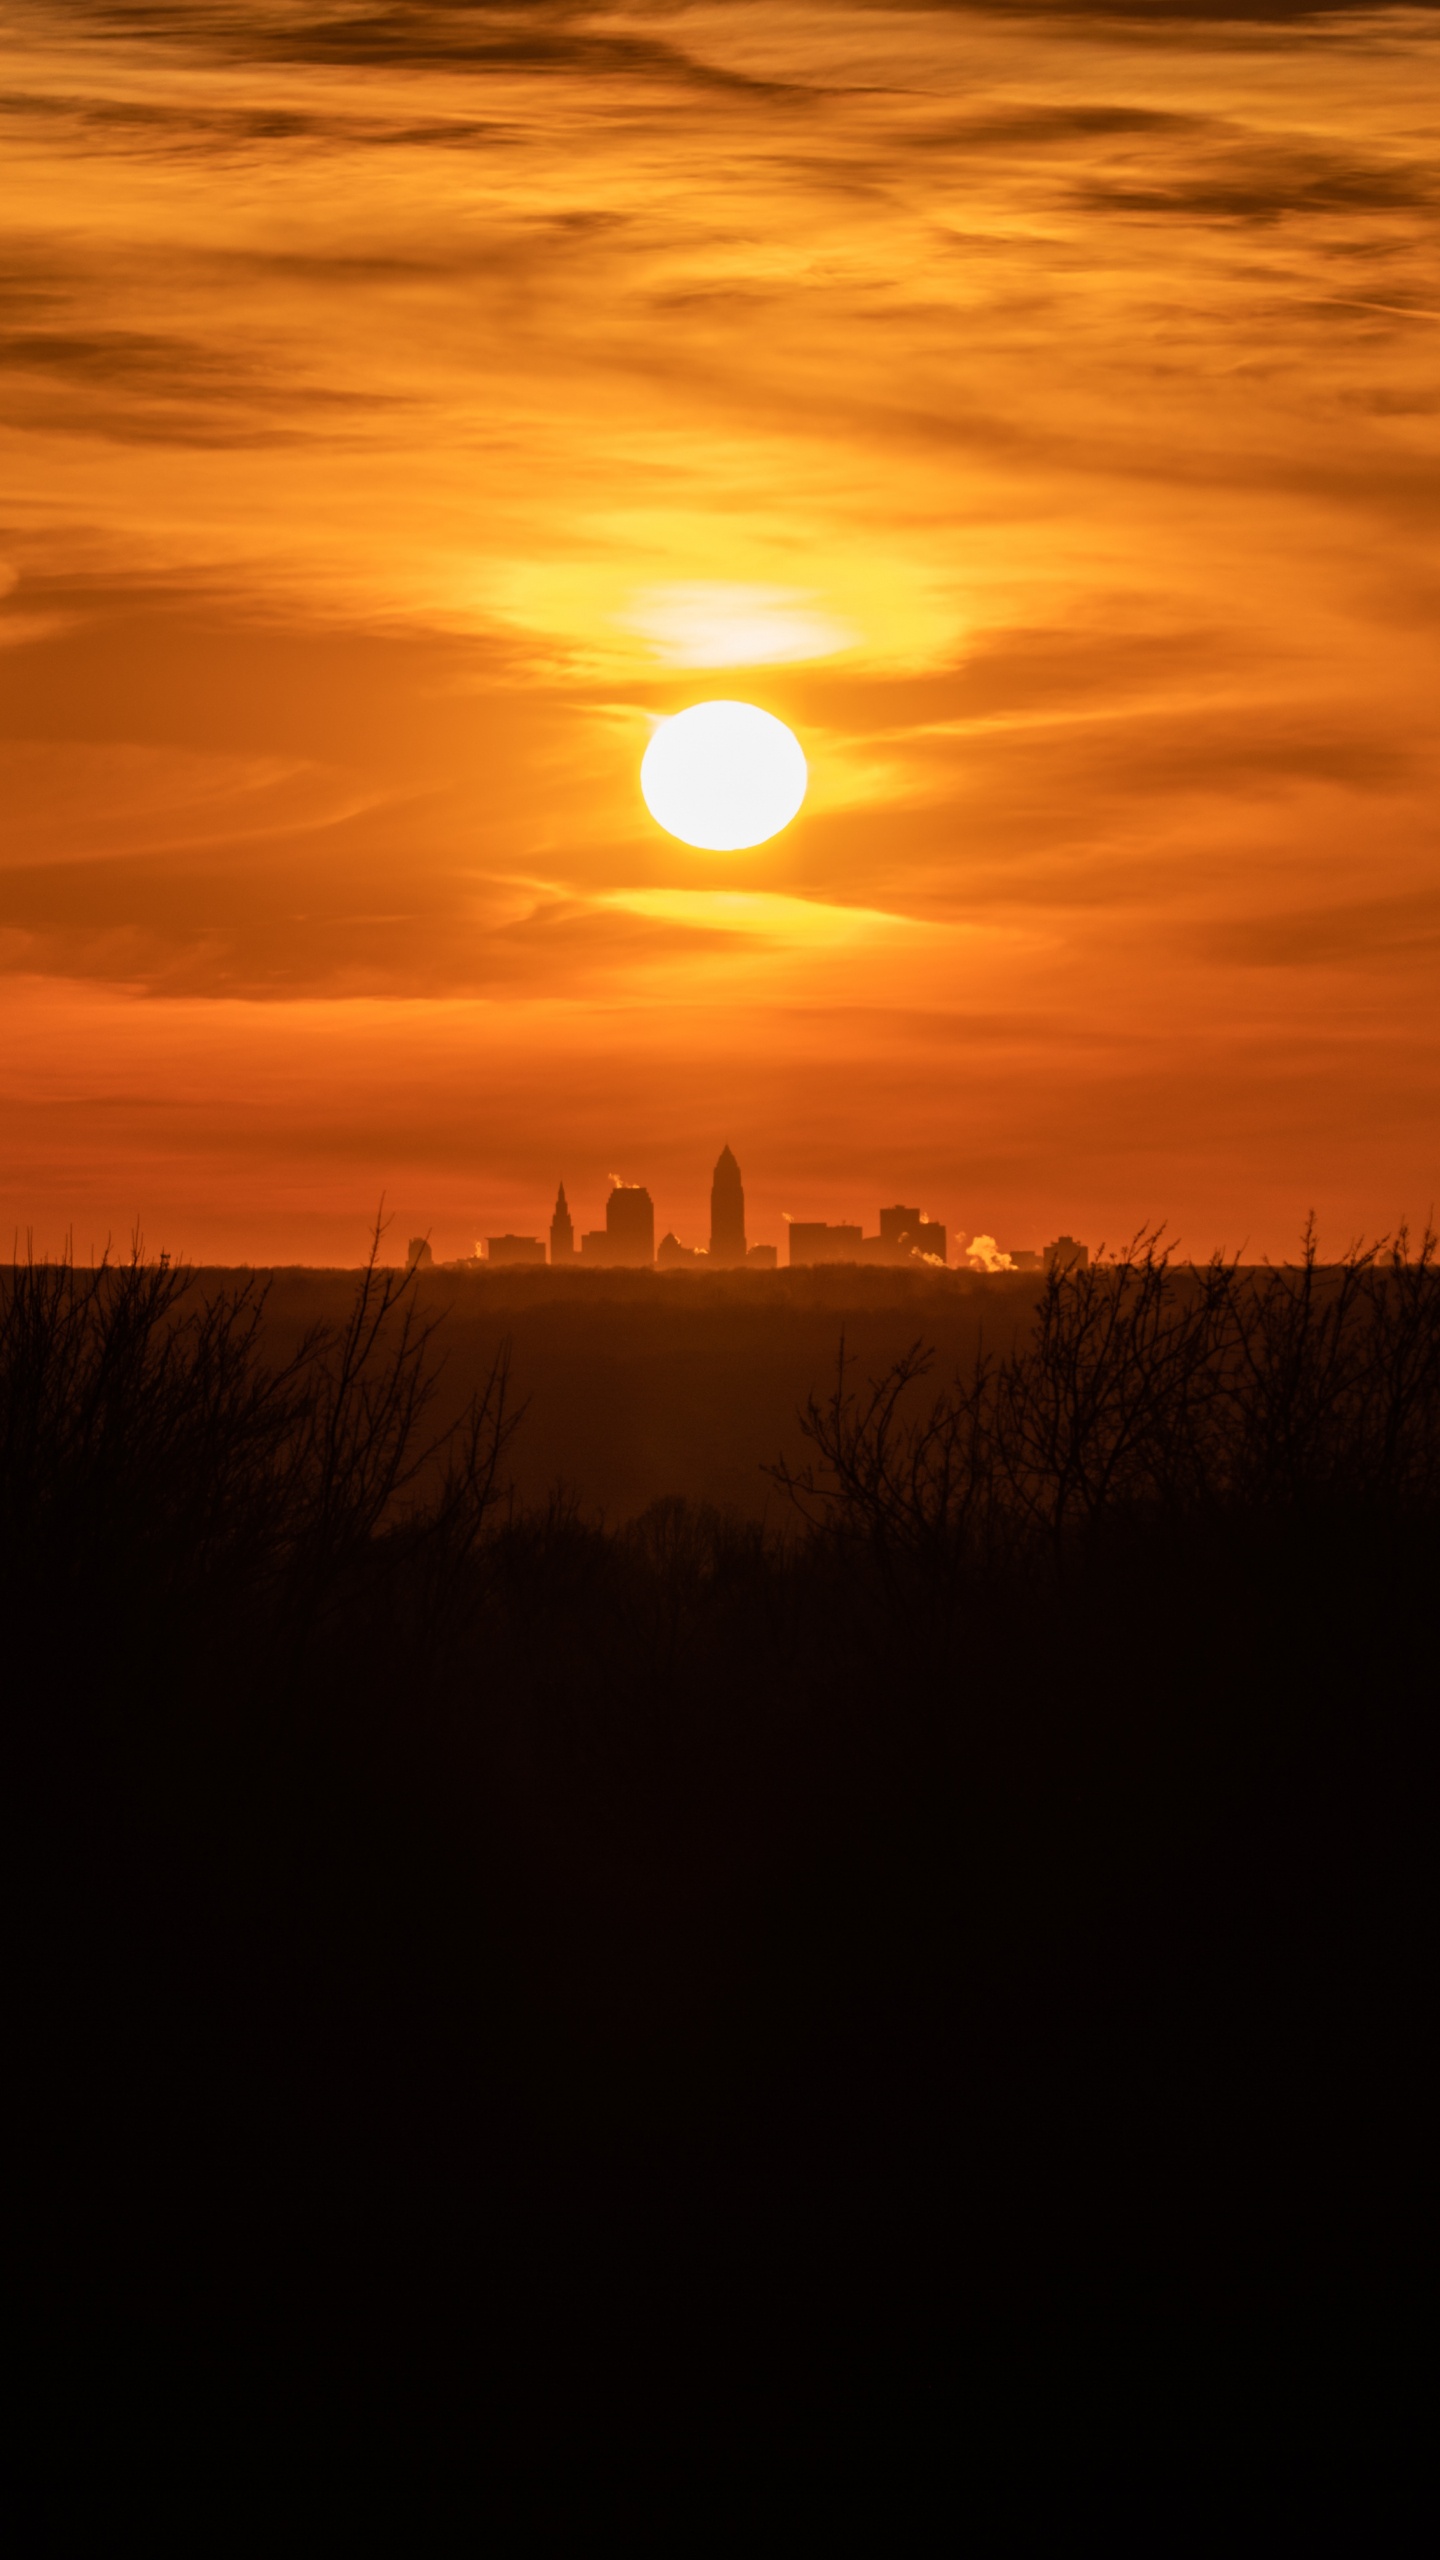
{"points": [[723, 776]]}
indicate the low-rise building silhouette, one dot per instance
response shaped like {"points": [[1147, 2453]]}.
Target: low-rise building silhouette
{"points": [[761, 1257], [905, 1232], [514, 1249], [905, 1236], [1066, 1255], [811, 1240], [672, 1255], [418, 1256]]}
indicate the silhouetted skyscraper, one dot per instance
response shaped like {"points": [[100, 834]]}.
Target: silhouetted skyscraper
{"points": [[562, 1231], [727, 1212], [630, 1225]]}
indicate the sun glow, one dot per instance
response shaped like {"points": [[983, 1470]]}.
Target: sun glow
{"points": [[713, 625], [723, 776]]}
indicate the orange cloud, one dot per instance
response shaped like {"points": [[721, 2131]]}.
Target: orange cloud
{"points": [[403, 408]]}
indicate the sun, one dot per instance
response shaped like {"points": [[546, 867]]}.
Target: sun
{"points": [[723, 776]]}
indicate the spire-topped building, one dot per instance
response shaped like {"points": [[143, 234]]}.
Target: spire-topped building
{"points": [[727, 1212], [562, 1231]]}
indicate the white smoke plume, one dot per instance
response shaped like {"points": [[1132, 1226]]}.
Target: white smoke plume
{"points": [[982, 1253]]}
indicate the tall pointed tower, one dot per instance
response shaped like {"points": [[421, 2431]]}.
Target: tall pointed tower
{"points": [[562, 1231], [727, 1212]]}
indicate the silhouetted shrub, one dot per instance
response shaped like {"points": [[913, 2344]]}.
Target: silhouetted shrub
{"points": [[1160, 1393], [153, 1461]]}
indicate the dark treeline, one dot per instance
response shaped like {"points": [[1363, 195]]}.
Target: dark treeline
{"points": [[465, 1943], [637, 1384]]}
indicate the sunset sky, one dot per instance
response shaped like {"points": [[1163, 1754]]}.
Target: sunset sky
{"points": [[403, 405]]}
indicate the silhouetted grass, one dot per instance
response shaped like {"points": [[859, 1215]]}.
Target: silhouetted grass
{"points": [[470, 1945], [155, 1468]]}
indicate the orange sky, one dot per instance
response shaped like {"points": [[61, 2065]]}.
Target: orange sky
{"points": [[403, 404]]}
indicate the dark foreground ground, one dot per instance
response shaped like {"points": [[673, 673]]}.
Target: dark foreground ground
{"points": [[696, 2028]]}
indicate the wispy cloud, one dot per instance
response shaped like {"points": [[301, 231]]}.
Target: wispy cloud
{"points": [[406, 405], [766, 916]]}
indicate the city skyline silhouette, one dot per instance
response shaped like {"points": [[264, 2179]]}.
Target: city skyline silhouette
{"points": [[903, 1237]]}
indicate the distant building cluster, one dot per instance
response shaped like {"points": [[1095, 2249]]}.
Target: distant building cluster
{"points": [[1063, 1255], [905, 1236], [626, 1242]]}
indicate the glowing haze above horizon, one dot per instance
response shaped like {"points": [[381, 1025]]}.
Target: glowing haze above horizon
{"points": [[407, 407]]}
